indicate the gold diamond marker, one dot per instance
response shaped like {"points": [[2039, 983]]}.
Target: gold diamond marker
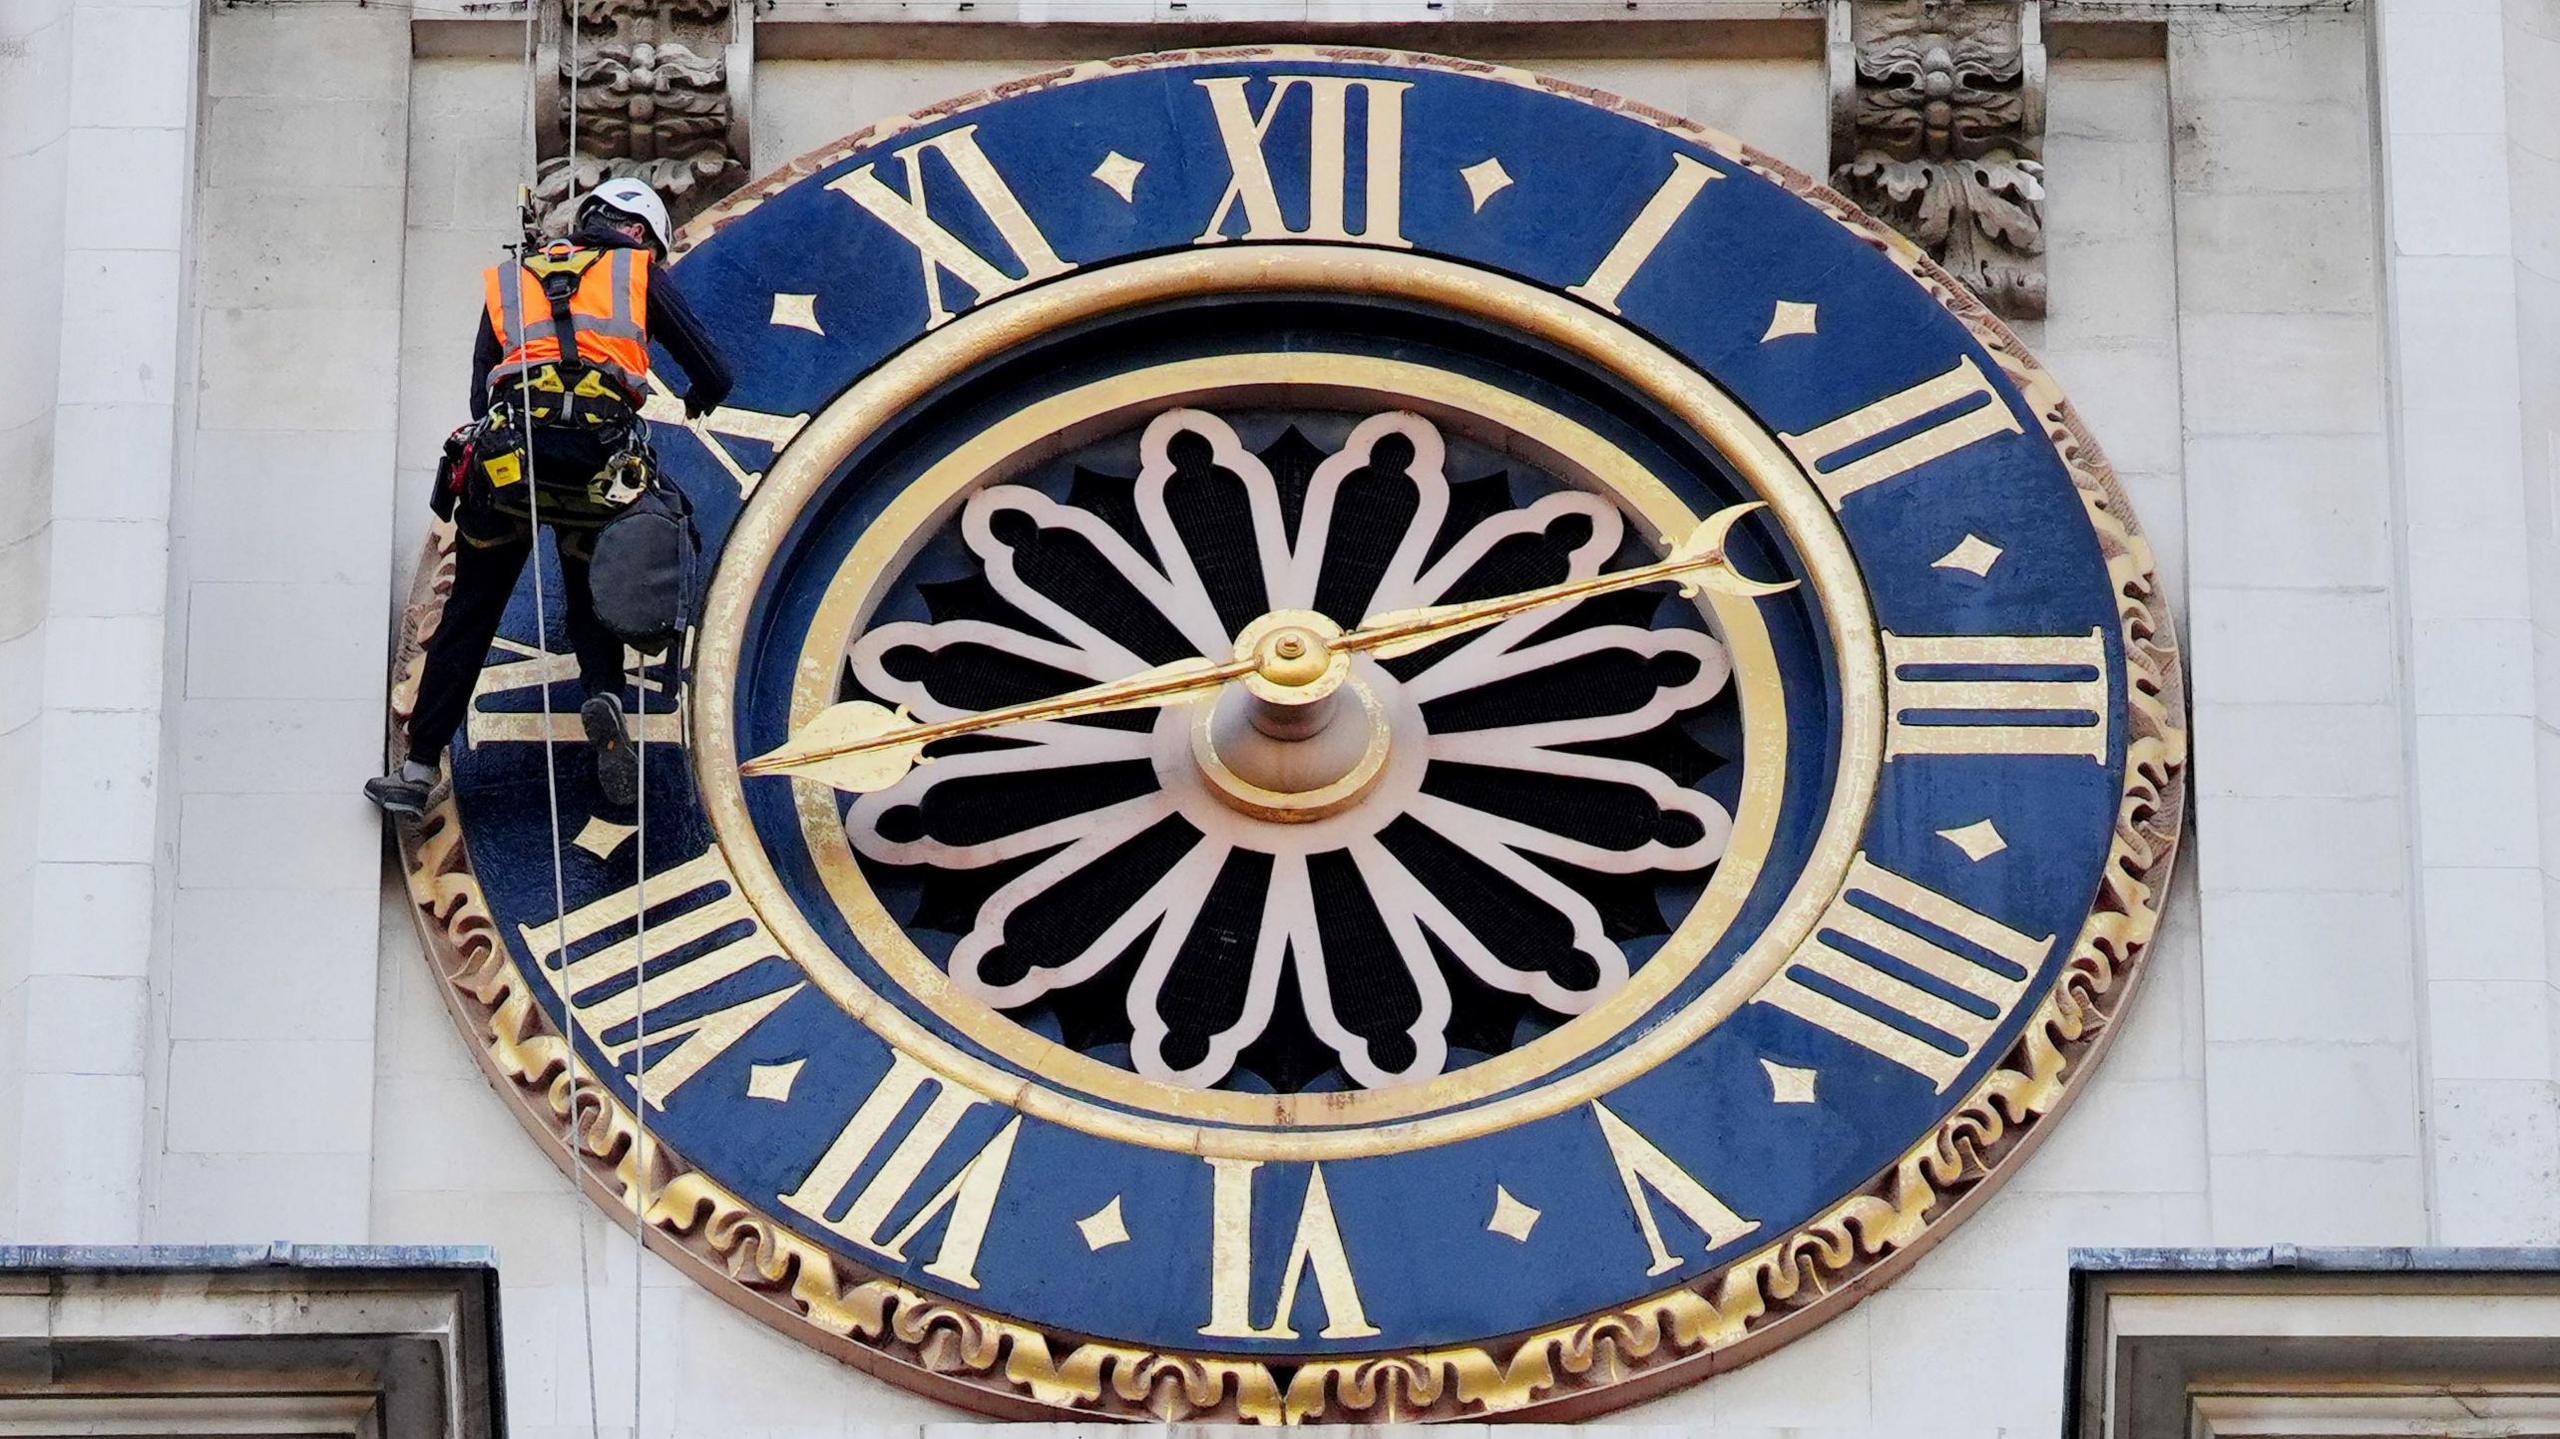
{"points": [[1791, 317], [1788, 1084], [1485, 179], [1102, 1228], [1973, 553], [1979, 840], [773, 1081], [1120, 173], [800, 312], [602, 837], [1511, 1219]]}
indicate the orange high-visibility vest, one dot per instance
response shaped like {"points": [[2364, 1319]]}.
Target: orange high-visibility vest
{"points": [[609, 314]]}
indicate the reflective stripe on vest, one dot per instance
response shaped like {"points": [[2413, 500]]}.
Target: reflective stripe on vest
{"points": [[609, 314]]}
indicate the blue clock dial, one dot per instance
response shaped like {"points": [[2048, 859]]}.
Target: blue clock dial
{"points": [[1360, 1032]]}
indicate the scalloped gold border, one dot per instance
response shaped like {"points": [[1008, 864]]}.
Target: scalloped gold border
{"points": [[992, 1364]]}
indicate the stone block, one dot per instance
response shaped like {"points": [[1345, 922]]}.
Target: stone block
{"points": [[133, 66], [81, 1024], [121, 311], [2304, 967], [2292, 1199], [2322, 1099], [2472, 667], [265, 258], [305, 55], [119, 456], [2497, 1162], [262, 746], [2249, 253], [310, 506], [2022, 1240], [2471, 809], [291, 142], [26, 572], [104, 664], [2124, 1136], [434, 1128], [339, 645], [2297, 750], [2110, 289], [2443, 74], [126, 189], [257, 1198], [2456, 318], [284, 370], [2301, 647], [1950, 1352], [2161, 1033], [250, 964], [2326, 846], [2282, 374], [298, 1096], [93, 919], [109, 567], [1776, 1393], [2321, 57], [2484, 924], [414, 1036], [2241, 146], [536, 1234], [277, 841], [2461, 571], [2449, 194], [2128, 393], [2533, 181], [21, 679], [98, 800], [86, 1186], [2489, 1029]]}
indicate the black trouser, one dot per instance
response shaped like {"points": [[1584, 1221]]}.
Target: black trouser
{"points": [[489, 555]]}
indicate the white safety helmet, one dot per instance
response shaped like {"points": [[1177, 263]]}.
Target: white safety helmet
{"points": [[635, 199]]}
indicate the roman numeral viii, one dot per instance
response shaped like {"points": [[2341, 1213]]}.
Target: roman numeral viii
{"points": [[714, 938], [1880, 959]]}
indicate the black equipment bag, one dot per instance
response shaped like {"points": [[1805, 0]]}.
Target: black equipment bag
{"points": [[642, 575]]}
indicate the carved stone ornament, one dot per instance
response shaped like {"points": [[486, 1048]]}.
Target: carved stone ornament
{"points": [[654, 90], [1937, 128]]}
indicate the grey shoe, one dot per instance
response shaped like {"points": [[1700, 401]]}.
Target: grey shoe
{"points": [[617, 764], [398, 796]]}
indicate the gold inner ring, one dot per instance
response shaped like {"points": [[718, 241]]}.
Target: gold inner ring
{"points": [[1286, 1127]]}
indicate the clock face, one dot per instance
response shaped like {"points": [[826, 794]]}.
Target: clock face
{"points": [[1658, 755]]}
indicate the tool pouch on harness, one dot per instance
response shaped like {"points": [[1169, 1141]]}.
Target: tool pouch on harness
{"points": [[641, 576], [568, 427]]}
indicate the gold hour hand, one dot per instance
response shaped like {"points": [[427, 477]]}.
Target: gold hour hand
{"points": [[859, 746], [1696, 562]]}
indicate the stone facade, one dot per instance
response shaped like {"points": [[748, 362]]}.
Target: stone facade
{"points": [[2301, 272]]}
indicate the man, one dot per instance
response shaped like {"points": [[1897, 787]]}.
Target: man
{"points": [[575, 411]]}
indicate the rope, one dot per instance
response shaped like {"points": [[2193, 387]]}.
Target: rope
{"points": [[550, 763]]}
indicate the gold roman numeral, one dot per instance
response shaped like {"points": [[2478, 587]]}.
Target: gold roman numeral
{"points": [[969, 1197], [1640, 239], [1963, 1025], [1819, 446], [1243, 130], [601, 990], [484, 724], [1944, 695], [1317, 1249], [770, 430], [1642, 1167], [941, 250]]}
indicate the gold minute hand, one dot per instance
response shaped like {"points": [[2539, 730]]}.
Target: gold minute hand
{"points": [[1697, 562], [859, 746]]}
